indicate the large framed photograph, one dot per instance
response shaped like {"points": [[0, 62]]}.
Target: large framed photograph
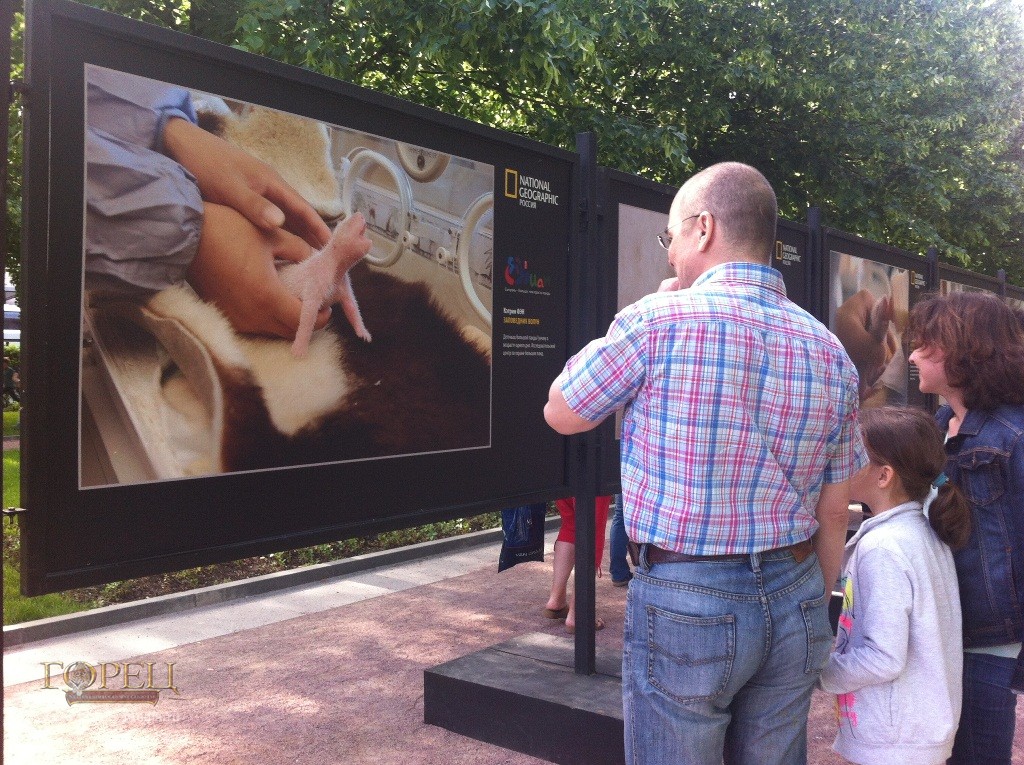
{"points": [[174, 418], [163, 375], [870, 291]]}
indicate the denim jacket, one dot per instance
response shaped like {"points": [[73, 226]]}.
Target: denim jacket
{"points": [[986, 460]]}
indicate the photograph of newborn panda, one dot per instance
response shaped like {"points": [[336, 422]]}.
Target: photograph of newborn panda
{"points": [[180, 378]]}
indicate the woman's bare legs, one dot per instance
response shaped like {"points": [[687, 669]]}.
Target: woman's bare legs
{"points": [[565, 558]]}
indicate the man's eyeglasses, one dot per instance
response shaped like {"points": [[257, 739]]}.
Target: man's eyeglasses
{"points": [[665, 239]]}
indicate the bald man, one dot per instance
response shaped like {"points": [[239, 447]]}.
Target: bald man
{"points": [[739, 438]]}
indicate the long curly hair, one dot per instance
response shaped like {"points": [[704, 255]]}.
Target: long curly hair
{"points": [[983, 342]]}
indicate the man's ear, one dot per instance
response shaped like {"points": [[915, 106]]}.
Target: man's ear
{"points": [[707, 227]]}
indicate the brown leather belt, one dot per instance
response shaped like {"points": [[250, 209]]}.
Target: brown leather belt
{"points": [[655, 554]]}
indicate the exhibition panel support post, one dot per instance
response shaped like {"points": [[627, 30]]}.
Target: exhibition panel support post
{"points": [[583, 446], [6, 95]]}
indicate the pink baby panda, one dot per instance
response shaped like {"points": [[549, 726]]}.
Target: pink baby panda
{"points": [[322, 279]]}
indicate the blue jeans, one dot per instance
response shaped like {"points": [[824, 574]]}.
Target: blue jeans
{"points": [[720, 658], [985, 736], [618, 566]]}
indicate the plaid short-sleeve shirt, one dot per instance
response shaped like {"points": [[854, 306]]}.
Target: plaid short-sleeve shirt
{"points": [[739, 405]]}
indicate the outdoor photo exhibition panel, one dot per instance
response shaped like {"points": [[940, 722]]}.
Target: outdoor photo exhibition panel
{"points": [[158, 433], [954, 279], [869, 293]]}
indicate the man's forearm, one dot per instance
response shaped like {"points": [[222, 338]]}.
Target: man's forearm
{"points": [[828, 544], [832, 515]]}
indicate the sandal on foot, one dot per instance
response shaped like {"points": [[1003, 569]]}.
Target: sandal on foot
{"points": [[598, 625]]}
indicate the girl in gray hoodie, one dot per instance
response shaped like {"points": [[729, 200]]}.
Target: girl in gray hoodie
{"points": [[897, 663]]}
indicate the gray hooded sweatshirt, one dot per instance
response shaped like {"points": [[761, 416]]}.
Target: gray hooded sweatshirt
{"points": [[898, 658]]}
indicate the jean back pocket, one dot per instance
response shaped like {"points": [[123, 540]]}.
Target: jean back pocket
{"points": [[690, 658]]}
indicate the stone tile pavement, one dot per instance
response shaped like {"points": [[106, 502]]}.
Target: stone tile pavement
{"points": [[330, 672]]}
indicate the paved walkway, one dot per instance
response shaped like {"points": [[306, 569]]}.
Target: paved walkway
{"points": [[325, 673]]}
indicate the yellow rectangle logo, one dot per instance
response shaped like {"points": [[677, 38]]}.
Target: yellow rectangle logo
{"points": [[511, 183]]}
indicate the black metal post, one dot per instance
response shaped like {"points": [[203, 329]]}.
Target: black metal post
{"points": [[932, 260], [582, 331], [815, 266]]}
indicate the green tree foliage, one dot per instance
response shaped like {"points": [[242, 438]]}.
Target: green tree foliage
{"points": [[547, 70], [902, 119]]}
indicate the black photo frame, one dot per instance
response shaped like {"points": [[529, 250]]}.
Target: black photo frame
{"points": [[77, 533]]}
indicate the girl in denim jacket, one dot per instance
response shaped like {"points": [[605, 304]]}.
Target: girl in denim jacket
{"points": [[897, 664], [969, 349]]}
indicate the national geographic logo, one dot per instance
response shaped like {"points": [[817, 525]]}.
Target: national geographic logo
{"points": [[529, 191], [786, 253], [108, 683]]}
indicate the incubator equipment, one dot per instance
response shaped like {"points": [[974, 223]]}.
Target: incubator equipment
{"points": [[429, 215]]}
